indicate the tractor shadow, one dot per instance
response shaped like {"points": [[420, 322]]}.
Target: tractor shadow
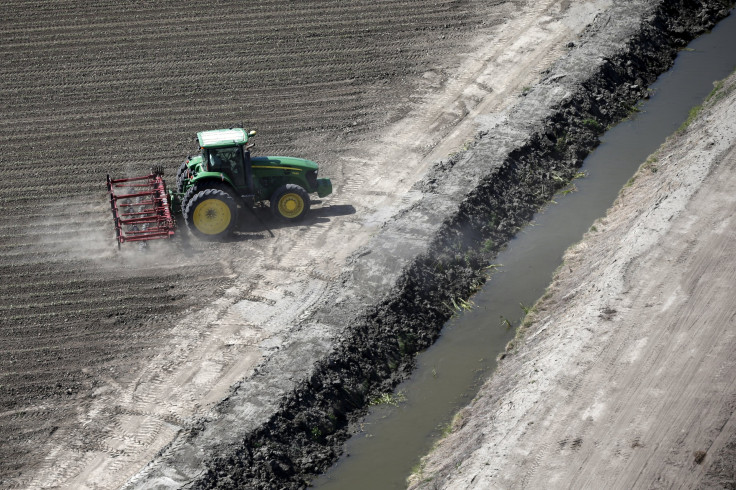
{"points": [[259, 223]]}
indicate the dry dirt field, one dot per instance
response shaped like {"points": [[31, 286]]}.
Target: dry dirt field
{"points": [[626, 377], [90, 88], [116, 363], [104, 356]]}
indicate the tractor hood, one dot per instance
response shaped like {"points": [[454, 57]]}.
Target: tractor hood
{"points": [[283, 163]]}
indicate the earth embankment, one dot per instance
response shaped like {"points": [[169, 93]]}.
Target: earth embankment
{"points": [[623, 375]]}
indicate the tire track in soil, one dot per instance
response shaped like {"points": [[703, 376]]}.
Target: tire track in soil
{"points": [[92, 89]]}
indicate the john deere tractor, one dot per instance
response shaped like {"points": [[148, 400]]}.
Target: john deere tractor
{"points": [[213, 188]]}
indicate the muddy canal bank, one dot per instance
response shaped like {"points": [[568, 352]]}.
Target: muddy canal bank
{"points": [[448, 375], [393, 293], [623, 375]]}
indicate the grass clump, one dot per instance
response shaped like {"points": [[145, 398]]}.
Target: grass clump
{"points": [[593, 124], [388, 399], [459, 305], [561, 143], [691, 115], [718, 93]]}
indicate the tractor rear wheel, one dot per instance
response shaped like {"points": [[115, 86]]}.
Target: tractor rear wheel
{"points": [[181, 175], [189, 194], [290, 202], [211, 214]]}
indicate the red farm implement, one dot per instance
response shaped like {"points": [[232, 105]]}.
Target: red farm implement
{"points": [[212, 188], [140, 208]]}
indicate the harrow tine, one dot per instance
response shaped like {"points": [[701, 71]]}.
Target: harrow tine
{"points": [[147, 214]]}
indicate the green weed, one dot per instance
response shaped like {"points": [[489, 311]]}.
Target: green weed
{"points": [[691, 115], [460, 305], [593, 124], [463, 305], [714, 96], [388, 399], [561, 142]]}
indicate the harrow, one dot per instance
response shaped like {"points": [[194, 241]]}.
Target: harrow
{"points": [[212, 188], [140, 208]]}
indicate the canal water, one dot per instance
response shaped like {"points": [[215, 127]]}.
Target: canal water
{"points": [[395, 435]]}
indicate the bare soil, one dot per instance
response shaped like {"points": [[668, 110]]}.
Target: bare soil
{"points": [[96, 365], [108, 355], [242, 363], [624, 375]]}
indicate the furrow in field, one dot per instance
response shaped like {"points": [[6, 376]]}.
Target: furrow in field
{"points": [[91, 88], [259, 19], [37, 120]]}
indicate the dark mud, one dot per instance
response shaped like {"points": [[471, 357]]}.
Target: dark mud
{"points": [[305, 436], [90, 88]]}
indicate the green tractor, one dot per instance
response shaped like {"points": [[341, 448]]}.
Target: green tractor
{"points": [[212, 188]]}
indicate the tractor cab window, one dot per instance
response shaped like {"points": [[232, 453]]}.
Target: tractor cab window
{"points": [[228, 161]]}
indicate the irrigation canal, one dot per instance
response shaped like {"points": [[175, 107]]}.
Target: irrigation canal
{"points": [[395, 435]]}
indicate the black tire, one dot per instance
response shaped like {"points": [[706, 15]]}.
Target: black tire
{"points": [[211, 214], [290, 203], [190, 192], [207, 184], [181, 175]]}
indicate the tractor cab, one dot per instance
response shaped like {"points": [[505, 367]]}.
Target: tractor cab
{"points": [[226, 151]]}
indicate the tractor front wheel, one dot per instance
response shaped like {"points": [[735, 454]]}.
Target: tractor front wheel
{"points": [[211, 214], [290, 202]]}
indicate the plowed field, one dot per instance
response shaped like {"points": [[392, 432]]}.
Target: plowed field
{"points": [[91, 88]]}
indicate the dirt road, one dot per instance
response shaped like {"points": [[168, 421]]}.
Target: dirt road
{"points": [[627, 376]]}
